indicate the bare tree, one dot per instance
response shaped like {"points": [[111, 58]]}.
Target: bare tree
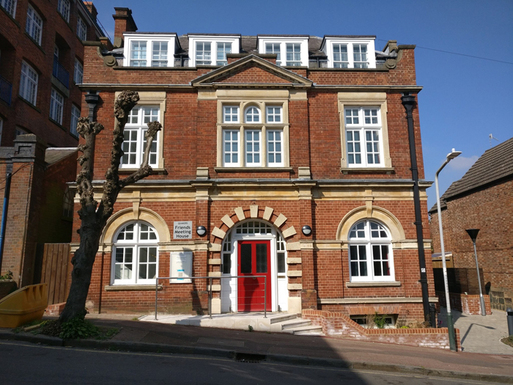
{"points": [[94, 215]]}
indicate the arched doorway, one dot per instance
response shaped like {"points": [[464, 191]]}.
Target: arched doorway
{"points": [[254, 248]]}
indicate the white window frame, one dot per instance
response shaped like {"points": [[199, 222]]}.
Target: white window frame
{"points": [[28, 83], [9, 6], [362, 239], [364, 100], [223, 48], [350, 43], [64, 7], [81, 28], [149, 39], [75, 115], [284, 42], [254, 142], [136, 245], [56, 106], [134, 142], [78, 72], [214, 42], [34, 25], [364, 144]]}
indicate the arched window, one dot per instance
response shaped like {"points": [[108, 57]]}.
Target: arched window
{"points": [[370, 252], [252, 115], [135, 254]]}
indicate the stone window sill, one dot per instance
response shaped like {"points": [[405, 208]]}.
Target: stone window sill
{"points": [[132, 287], [373, 284]]}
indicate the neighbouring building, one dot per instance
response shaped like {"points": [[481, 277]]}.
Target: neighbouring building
{"points": [[283, 160], [482, 199], [41, 65]]}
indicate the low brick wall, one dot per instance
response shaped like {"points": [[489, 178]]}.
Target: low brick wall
{"points": [[469, 304], [341, 326]]}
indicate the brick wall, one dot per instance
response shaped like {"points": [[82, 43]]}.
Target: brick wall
{"points": [[17, 47], [190, 141], [341, 326], [487, 210]]}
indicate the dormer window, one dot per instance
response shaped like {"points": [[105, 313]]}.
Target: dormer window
{"points": [[149, 50], [211, 50], [289, 51], [347, 52]]}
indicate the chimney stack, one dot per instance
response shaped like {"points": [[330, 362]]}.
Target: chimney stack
{"points": [[123, 22]]}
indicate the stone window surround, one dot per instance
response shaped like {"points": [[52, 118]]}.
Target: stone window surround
{"points": [[362, 99], [152, 99], [260, 99]]}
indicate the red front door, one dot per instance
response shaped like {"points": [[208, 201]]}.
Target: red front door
{"points": [[254, 259]]}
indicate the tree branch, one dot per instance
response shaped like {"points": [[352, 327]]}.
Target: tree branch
{"points": [[145, 169]]}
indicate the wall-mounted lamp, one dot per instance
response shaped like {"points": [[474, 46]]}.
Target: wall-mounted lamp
{"points": [[201, 230], [307, 230]]}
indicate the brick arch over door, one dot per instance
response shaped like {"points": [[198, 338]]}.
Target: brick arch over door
{"points": [[240, 214], [363, 212], [139, 214]]}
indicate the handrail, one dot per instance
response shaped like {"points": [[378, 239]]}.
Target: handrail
{"points": [[210, 289]]}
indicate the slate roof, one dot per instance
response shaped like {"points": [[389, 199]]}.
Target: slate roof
{"points": [[494, 165]]}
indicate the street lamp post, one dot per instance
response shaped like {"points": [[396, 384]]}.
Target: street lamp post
{"points": [[473, 235], [450, 325]]}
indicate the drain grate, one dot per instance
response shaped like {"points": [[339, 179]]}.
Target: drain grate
{"points": [[249, 358]]}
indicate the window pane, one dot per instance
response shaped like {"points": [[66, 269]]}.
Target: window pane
{"points": [[245, 259], [281, 262], [261, 258]]}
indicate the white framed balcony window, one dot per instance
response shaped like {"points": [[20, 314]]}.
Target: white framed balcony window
{"points": [[34, 25], [149, 50], [75, 115], [134, 141], [78, 72], [223, 48], [274, 48], [81, 28], [364, 132], [64, 7], [347, 52], [363, 136], [290, 51], [211, 50], [9, 6], [28, 83], [56, 106]]}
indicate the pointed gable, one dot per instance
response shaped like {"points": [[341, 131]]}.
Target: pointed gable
{"points": [[252, 71]]}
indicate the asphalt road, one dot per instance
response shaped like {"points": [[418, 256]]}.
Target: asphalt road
{"points": [[24, 363]]}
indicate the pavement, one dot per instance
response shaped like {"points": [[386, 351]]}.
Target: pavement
{"points": [[484, 357]]}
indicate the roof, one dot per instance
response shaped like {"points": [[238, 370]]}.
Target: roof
{"points": [[495, 164], [55, 154]]}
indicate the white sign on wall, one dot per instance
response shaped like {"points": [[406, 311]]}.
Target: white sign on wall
{"points": [[181, 266], [182, 230]]}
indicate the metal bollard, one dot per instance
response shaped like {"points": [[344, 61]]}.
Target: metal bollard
{"points": [[510, 320]]}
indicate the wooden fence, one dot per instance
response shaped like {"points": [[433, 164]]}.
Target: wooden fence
{"points": [[56, 271]]}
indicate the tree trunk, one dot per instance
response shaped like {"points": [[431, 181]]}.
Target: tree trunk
{"points": [[94, 216]]}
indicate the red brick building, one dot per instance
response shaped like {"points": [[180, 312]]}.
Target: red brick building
{"points": [[41, 65], [290, 152], [482, 199]]}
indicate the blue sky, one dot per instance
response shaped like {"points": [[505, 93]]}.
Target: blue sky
{"points": [[464, 55]]}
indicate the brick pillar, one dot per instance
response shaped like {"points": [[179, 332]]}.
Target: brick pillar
{"points": [[24, 208]]}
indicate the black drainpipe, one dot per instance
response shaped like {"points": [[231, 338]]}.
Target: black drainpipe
{"points": [[409, 104]]}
